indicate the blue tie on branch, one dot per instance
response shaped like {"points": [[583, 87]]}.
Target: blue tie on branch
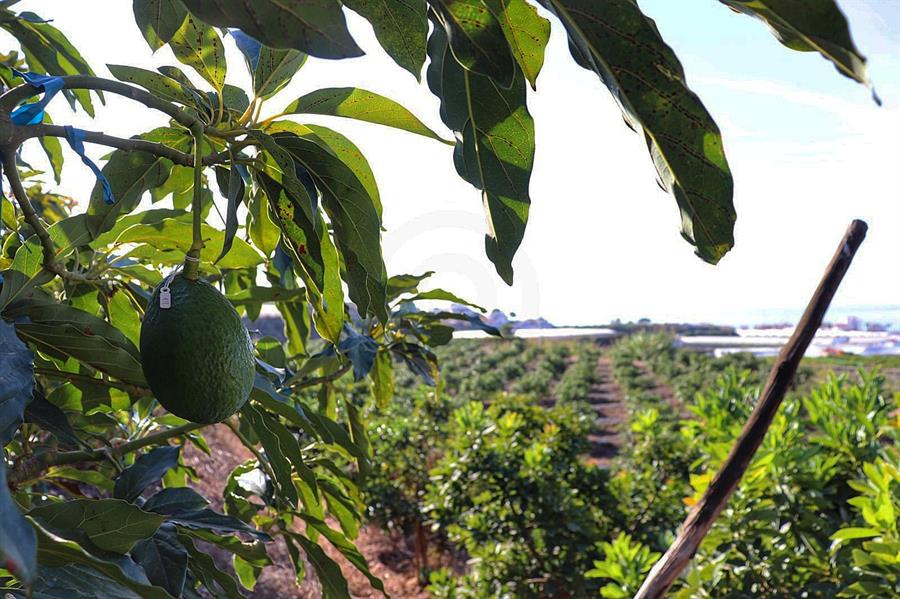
{"points": [[75, 137], [32, 114]]}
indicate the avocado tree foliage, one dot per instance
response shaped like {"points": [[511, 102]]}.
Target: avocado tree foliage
{"points": [[92, 490]]}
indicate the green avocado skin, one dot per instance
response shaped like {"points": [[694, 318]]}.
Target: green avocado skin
{"points": [[197, 354]]}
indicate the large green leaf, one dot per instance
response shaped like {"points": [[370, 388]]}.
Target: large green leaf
{"points": [[112, 524], [130, 174], [274, 69], [401, 28], [275, 453], [362, 105], [57, 551], [316, 27], [203, 567], [157, 84], [526, 32], [75, 581], [477, 40], [811, 26], [158, 20], [263, 232], [354, 217], [623, 46], [175, 235], [164, 560], [197, 45], [147, 470], [66, 235], [334, 585], [53, 149], [496, 153], [18, 544]]}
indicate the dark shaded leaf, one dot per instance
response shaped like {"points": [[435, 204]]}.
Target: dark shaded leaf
{"points": [[623, 46], [811, 26], [175, 500], [347, 549], [401, 28], [164, 560], [420, 360], [158, 20], [112, 524], [496, 153], [476, 39], [316, 27], [207, 519], [16, 381], [75, 581], [360, 349], [53, 149], [234, 192], [49, 417], [400, 284], [334, 585], [148, 469], [203, 566], [443, 295], [275, 453], [18, 543]]}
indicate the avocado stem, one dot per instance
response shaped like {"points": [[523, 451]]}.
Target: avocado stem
{"points": [[192, 260]]}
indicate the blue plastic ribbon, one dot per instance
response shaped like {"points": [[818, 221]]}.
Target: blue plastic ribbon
{"points": [[32, 114], [75, 137]]}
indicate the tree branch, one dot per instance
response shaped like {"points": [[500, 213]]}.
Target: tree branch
{"points": [[22, 133], [35, 466], [726, 480], [73, 376], [50, 262]]}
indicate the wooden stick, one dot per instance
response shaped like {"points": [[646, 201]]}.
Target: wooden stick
{"points": [[705, 512]]}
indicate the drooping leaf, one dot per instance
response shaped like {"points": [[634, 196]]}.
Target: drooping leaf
{"points": [[316, 27], [130, 174], [207, 519], [57, 551], [147, 470], [811, 26], [400, 284], [234, 190], [401, 28], [443, 295], [158, 20], [623, 46], [347, 549], [420, 360], [361, 350], [362, 105], [275, 453], [526, 32], [164, 560], [382, 375], [263, 232], [496, 153], [112, 524], [274, 70], [198, 46], [476, 39], [354, 217], [50, 418], [18, 543], [53, 149], [16, 381], [203, 566], [334, 585], [66, 235]]}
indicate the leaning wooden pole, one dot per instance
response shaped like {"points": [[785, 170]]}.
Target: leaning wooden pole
{"points": [[705, 511]]}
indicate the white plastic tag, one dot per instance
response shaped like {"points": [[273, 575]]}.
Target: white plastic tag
{"points": [[165, 298]]}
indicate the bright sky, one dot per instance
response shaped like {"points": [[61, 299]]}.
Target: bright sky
{"points": [[808, 148]]}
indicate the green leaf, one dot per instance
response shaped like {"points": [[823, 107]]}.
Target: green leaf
{"points": [[112, 524], [130, 174], [526, 32], [256, 294], [175, 500], [845, 534], [263, 232], [362, 105], [316, 27], [334, 585], [275, 453], [615, 40], [164, 560], [360, 349], [159, 85], [18, 543], [354, 217], [274, 70], [53, 149], [811, 26], [476, 39], [66, 235], [203, 566], [207, 519], [198, 46], [234, 192], [158, 20], [56, 551], [496, 154], [401, 28], [90, 477], [347, 549], [382, 375], [442, 295], [75, 581], [400, 284], [16, 382], [51, 419], [171, 234], [147, 470]]}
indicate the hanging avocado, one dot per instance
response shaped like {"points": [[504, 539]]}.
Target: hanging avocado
{"points": [[196, 352]]}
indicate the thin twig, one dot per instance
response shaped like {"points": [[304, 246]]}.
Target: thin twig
{"points": [[705, 512]]}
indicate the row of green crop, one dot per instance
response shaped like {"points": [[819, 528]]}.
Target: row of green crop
{"points": [[816, 512]]}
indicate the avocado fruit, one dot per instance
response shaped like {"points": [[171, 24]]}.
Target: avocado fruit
{"points": [[197, 354]]}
